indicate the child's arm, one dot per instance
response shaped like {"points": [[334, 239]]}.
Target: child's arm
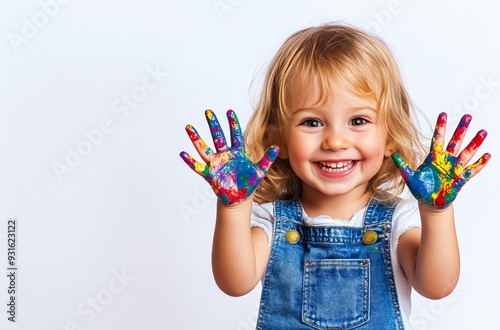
{"points": [[239, 253], [430, 256]]}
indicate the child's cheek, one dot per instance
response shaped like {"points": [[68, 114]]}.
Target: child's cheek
{"points": [[373, 150]]}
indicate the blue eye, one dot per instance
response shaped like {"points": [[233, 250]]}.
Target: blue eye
{"points": [[358, 121], [311, 123]]}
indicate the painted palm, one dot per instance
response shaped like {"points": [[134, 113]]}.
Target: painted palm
{"points": [[228, 170], [444, 172]]}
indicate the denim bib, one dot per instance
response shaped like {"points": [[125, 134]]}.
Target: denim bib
{"points": [[330, 277]]}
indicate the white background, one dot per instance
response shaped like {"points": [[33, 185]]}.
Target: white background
{"points": [[114, 230]]}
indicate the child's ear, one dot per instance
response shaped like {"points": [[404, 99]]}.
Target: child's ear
{"points": [[390, 147], [275, 136], [283, 154]]}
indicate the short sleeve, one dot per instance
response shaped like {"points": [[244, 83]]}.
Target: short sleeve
{"points": [[263, 217], [406, 216]]}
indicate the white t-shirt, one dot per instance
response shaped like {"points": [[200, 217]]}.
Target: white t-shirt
{"points": [[405, 216]]}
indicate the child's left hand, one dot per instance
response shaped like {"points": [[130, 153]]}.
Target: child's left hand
{"points": [[439, 179]]}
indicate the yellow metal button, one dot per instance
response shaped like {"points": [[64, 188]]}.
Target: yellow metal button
{"points": [[370, 237], [292, 236]]}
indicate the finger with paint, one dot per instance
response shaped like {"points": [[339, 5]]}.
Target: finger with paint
{"points": [[228, 170], [443, 173]]}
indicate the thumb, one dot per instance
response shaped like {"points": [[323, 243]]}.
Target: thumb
{"points": [[404, 169], [268, 158], [195, 165]]}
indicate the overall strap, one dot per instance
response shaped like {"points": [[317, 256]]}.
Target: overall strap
{"points": [[378, 212], [287, 214]]}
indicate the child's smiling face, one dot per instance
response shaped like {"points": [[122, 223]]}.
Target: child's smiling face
{"points": [[336, 146]]}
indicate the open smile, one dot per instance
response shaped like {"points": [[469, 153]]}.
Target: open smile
{"points": [[334, 167]]}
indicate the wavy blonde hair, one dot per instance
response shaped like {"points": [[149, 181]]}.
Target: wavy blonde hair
{"points": [[322, 56]]}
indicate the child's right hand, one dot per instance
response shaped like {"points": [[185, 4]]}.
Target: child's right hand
{"points": [[230, 173]]}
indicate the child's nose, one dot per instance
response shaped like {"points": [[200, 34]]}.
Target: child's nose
{"points": [[336, 139]]}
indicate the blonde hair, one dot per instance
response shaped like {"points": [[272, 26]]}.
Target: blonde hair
{"points": [[323, 56]]}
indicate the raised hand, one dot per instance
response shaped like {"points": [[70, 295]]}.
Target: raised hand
{"points": [[439, 179], [232, 176]]}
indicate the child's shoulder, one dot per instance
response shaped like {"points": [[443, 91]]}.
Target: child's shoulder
{"points": [[263, 209], [406, 205], [406, 215]]}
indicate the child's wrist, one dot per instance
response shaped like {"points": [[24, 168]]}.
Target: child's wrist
{"points": [[430, 211], [236, 205]]}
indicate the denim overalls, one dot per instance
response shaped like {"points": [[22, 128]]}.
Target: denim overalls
{"points": [[330, 277]]}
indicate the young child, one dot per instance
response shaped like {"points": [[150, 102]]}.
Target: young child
{"points": [[324, 227]]}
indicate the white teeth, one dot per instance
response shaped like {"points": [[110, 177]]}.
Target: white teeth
{"points": [[336, 167]]}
